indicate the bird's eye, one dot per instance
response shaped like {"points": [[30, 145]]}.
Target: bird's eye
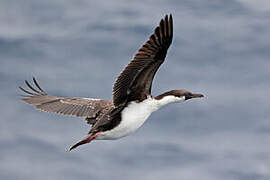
{"points": [[187, 95]]}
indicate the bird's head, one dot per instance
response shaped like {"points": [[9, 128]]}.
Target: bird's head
{"points": [[180, 94], [186, 94]]}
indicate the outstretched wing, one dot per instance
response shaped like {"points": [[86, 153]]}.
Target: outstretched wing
{"points": [[80, 107], [135, 81]]}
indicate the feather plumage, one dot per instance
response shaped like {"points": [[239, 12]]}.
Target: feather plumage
{"points": [[135, 81], [79, 107]]}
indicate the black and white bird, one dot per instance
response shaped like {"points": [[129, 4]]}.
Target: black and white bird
{"points": [[132, 101]]}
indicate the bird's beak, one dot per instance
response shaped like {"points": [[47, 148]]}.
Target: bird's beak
{"points": [[196, 96]]}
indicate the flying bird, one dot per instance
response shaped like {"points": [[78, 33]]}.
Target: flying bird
{"points": [[132, 101]]}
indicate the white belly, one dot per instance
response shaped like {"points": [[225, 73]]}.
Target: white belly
{"points": [[133, 117], [135, 114]]}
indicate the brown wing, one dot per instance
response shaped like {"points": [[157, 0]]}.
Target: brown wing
{"points": [[135, 81], [80, 107]]}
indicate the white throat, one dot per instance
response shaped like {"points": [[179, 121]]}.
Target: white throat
{"points": [[135, 114], [167, 100]]}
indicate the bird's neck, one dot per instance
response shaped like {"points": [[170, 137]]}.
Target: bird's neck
{"points": [[161, 102]]}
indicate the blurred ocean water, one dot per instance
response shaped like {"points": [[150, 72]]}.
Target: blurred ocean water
{"points": [[220, 48]]}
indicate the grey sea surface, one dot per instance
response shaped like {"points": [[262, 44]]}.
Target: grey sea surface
{"points": [[78, 48]]}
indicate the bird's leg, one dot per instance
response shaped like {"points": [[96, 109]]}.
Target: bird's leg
{"points": [[84, 141]]}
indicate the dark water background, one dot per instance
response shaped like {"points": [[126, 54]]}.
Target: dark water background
{"points": [[220, 48]]}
